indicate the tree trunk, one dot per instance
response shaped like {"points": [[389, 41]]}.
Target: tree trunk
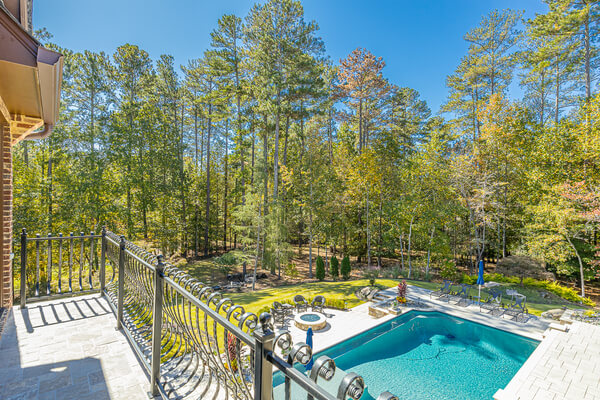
{"points": [[257, 244], [276, 153], [580, 265], [207, 212], [429, 252], [412, 220], [225, 184], [402, 250]]}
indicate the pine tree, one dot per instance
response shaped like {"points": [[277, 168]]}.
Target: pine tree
{"points": [[334, 267], [345, 269], [320, 270]]}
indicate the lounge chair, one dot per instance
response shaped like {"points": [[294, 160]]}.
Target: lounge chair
{"points": [[287, 309], [278, 317], [517, 307], [444, 291], [301, 303], [493, 302], [317, 304], [461, 296]]}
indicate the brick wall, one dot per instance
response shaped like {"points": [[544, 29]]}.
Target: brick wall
{"points": [[6, 211]]}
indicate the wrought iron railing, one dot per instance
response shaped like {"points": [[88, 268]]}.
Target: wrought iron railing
{"points": [[64, 265], [202, 345]]}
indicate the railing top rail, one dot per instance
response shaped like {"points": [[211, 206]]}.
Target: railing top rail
{"points": [[63, 237]]}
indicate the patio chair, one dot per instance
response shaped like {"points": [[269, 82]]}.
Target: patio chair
{"points": [[317, 304], [517, 307], [301, 303], [493, 302], [461, 296], [278, 317], [444, 291], [287, 309]]}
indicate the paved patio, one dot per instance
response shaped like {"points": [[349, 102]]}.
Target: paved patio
{"points": [[68, 349], [566, 365]]}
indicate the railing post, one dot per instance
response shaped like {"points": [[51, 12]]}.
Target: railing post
{"points": [[103, 261], [157, 325], [23, 268], [263, 369], [121, 283]]}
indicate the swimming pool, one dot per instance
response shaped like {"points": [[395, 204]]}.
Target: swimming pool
{"points": [[431, 355]]}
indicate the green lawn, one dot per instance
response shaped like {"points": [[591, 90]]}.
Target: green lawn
{"points": [[255, 301]]}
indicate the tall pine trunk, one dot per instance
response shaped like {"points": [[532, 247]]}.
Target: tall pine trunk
{"points": [[207, 212]]}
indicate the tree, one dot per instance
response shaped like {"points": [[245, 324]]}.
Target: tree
{"points": [[133, 78], [345, 269], [486, 69], [334, 267], [361, 84], [320, 271]]}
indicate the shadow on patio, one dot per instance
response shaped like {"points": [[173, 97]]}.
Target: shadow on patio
{"points": [[68, 349]]}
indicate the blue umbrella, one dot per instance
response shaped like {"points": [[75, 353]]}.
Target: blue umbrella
{"points": [[480, 278], [309, 342]]}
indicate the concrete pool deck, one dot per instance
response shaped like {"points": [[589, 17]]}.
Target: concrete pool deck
{"points": [[342, 325]]}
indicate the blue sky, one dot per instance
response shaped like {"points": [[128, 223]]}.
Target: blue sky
{"points": [[421, 41]]}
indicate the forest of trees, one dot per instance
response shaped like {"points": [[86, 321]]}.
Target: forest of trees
{"points": [[265, 143]]}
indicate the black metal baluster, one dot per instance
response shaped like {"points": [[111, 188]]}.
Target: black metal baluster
{"points": [[23, 268], [37, 266], [49, 266], [81, 264], [60, 241], [71, 262], [91, 259]]}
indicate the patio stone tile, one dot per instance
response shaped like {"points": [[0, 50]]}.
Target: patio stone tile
{"points": [[562, 366], [67, 349]]}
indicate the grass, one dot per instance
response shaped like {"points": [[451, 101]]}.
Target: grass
{"points": [[344, 290]]}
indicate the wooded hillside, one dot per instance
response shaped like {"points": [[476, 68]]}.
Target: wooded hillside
{"points": [[263, 142]]}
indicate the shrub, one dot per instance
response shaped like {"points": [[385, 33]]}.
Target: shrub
{"points": [[372, 274], [449, 271], [320, 271], [402, 290], [339, 304], [226, 262], [346, 269], [552, 287], [396, 271], [291, 270], [334, 267]]}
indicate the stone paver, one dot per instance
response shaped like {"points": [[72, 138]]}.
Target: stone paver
{"points": [[68, 349], [565, 366]]}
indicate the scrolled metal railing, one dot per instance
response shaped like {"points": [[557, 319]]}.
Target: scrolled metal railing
{"points": [[193, 341]]}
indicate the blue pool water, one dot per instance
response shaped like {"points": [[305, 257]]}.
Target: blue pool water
{"points": [[431, 355]]}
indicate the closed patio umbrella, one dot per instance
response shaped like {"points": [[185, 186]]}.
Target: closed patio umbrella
{"points": [[309, 342], [480, 278]]}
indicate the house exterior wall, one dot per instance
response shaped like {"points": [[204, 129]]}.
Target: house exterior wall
{"points": [[6, 193]]}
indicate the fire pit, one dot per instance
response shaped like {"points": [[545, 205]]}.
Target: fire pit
{"points": [[312, 320]]}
